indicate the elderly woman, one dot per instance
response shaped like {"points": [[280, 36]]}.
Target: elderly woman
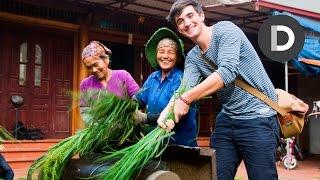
{"points": [[164, 52], [96, 59]]}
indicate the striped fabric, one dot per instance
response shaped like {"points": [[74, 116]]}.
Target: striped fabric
{"points": [[235, 57]]}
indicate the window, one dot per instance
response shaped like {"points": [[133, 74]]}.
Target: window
{"points": [[38, 65], [23, 64]]}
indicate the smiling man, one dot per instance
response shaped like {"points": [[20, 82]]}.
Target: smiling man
{"points": [[246, 128]]}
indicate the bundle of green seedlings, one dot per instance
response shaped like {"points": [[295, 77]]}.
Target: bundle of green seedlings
{"points": [[5, 135], [134, 158], [111, 121]]}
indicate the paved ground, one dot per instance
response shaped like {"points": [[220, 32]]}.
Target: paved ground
{"points": [[308, 169]]}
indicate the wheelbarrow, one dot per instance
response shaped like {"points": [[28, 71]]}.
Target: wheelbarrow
{"points": [[177, 162]]}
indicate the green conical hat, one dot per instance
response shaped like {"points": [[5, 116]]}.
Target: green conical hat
{"points": [[151, 46]]}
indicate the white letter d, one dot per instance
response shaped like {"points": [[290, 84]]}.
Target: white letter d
{"points": [[274, 45]]}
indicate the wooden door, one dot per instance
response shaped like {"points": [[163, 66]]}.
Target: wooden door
{"points": [[11, 78], [32, 66], [3, 73], [38, 85], [62, 55]]}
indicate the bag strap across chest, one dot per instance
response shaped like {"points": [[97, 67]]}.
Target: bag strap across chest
{"points": [[253, 91]]}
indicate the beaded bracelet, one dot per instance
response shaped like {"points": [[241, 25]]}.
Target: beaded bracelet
{"points": [[184, 100]]}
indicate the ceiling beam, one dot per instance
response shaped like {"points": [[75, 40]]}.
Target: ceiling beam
{"points": [[260, 20], [253, 11], [156, 8], [134, 12], [125, 3], [289, 9]]}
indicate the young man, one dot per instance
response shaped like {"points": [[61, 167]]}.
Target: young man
{"points": [[246, 129]]}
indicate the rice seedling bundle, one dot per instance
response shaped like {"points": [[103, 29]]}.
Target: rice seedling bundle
{"points": [[137, 156], [5, 135], [112, 120], [134, 158]]}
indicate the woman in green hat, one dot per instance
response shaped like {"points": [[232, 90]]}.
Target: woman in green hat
{"points": [[165, 53]]}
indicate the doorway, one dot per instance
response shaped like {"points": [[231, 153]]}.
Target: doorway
{"points": [[36, 65]]}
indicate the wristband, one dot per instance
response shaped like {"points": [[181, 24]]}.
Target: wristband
{"points": [[184, 100]]}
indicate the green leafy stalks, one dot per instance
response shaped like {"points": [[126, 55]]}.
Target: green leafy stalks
{"points": [[5, 135], [52, 164], [137, 156], [134, 158], [111, 120]]}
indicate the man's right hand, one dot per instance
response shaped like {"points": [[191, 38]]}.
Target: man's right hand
{"points": [[162, 118], [167, 124]]}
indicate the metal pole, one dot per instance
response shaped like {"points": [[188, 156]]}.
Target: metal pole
{"points": [[286, 76], [286, 81], [16, 126], [286, 87]]}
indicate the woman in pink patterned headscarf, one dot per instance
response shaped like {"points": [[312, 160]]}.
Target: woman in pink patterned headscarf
{"points": [[96, 59]]}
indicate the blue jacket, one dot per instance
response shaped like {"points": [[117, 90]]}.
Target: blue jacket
{"points": [[155, 95]]}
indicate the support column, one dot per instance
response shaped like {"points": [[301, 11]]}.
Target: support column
{"points": [[81, 40]]}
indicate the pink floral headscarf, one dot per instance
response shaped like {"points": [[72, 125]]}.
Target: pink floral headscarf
{"points": [[95, 48]]}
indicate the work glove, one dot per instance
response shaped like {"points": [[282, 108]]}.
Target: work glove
{"points": [[139, 117]]}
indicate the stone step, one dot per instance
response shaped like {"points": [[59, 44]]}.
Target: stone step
{"points": [[21, 154], [203, 141], [22, 145], [20, 165], [15, 156]]}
